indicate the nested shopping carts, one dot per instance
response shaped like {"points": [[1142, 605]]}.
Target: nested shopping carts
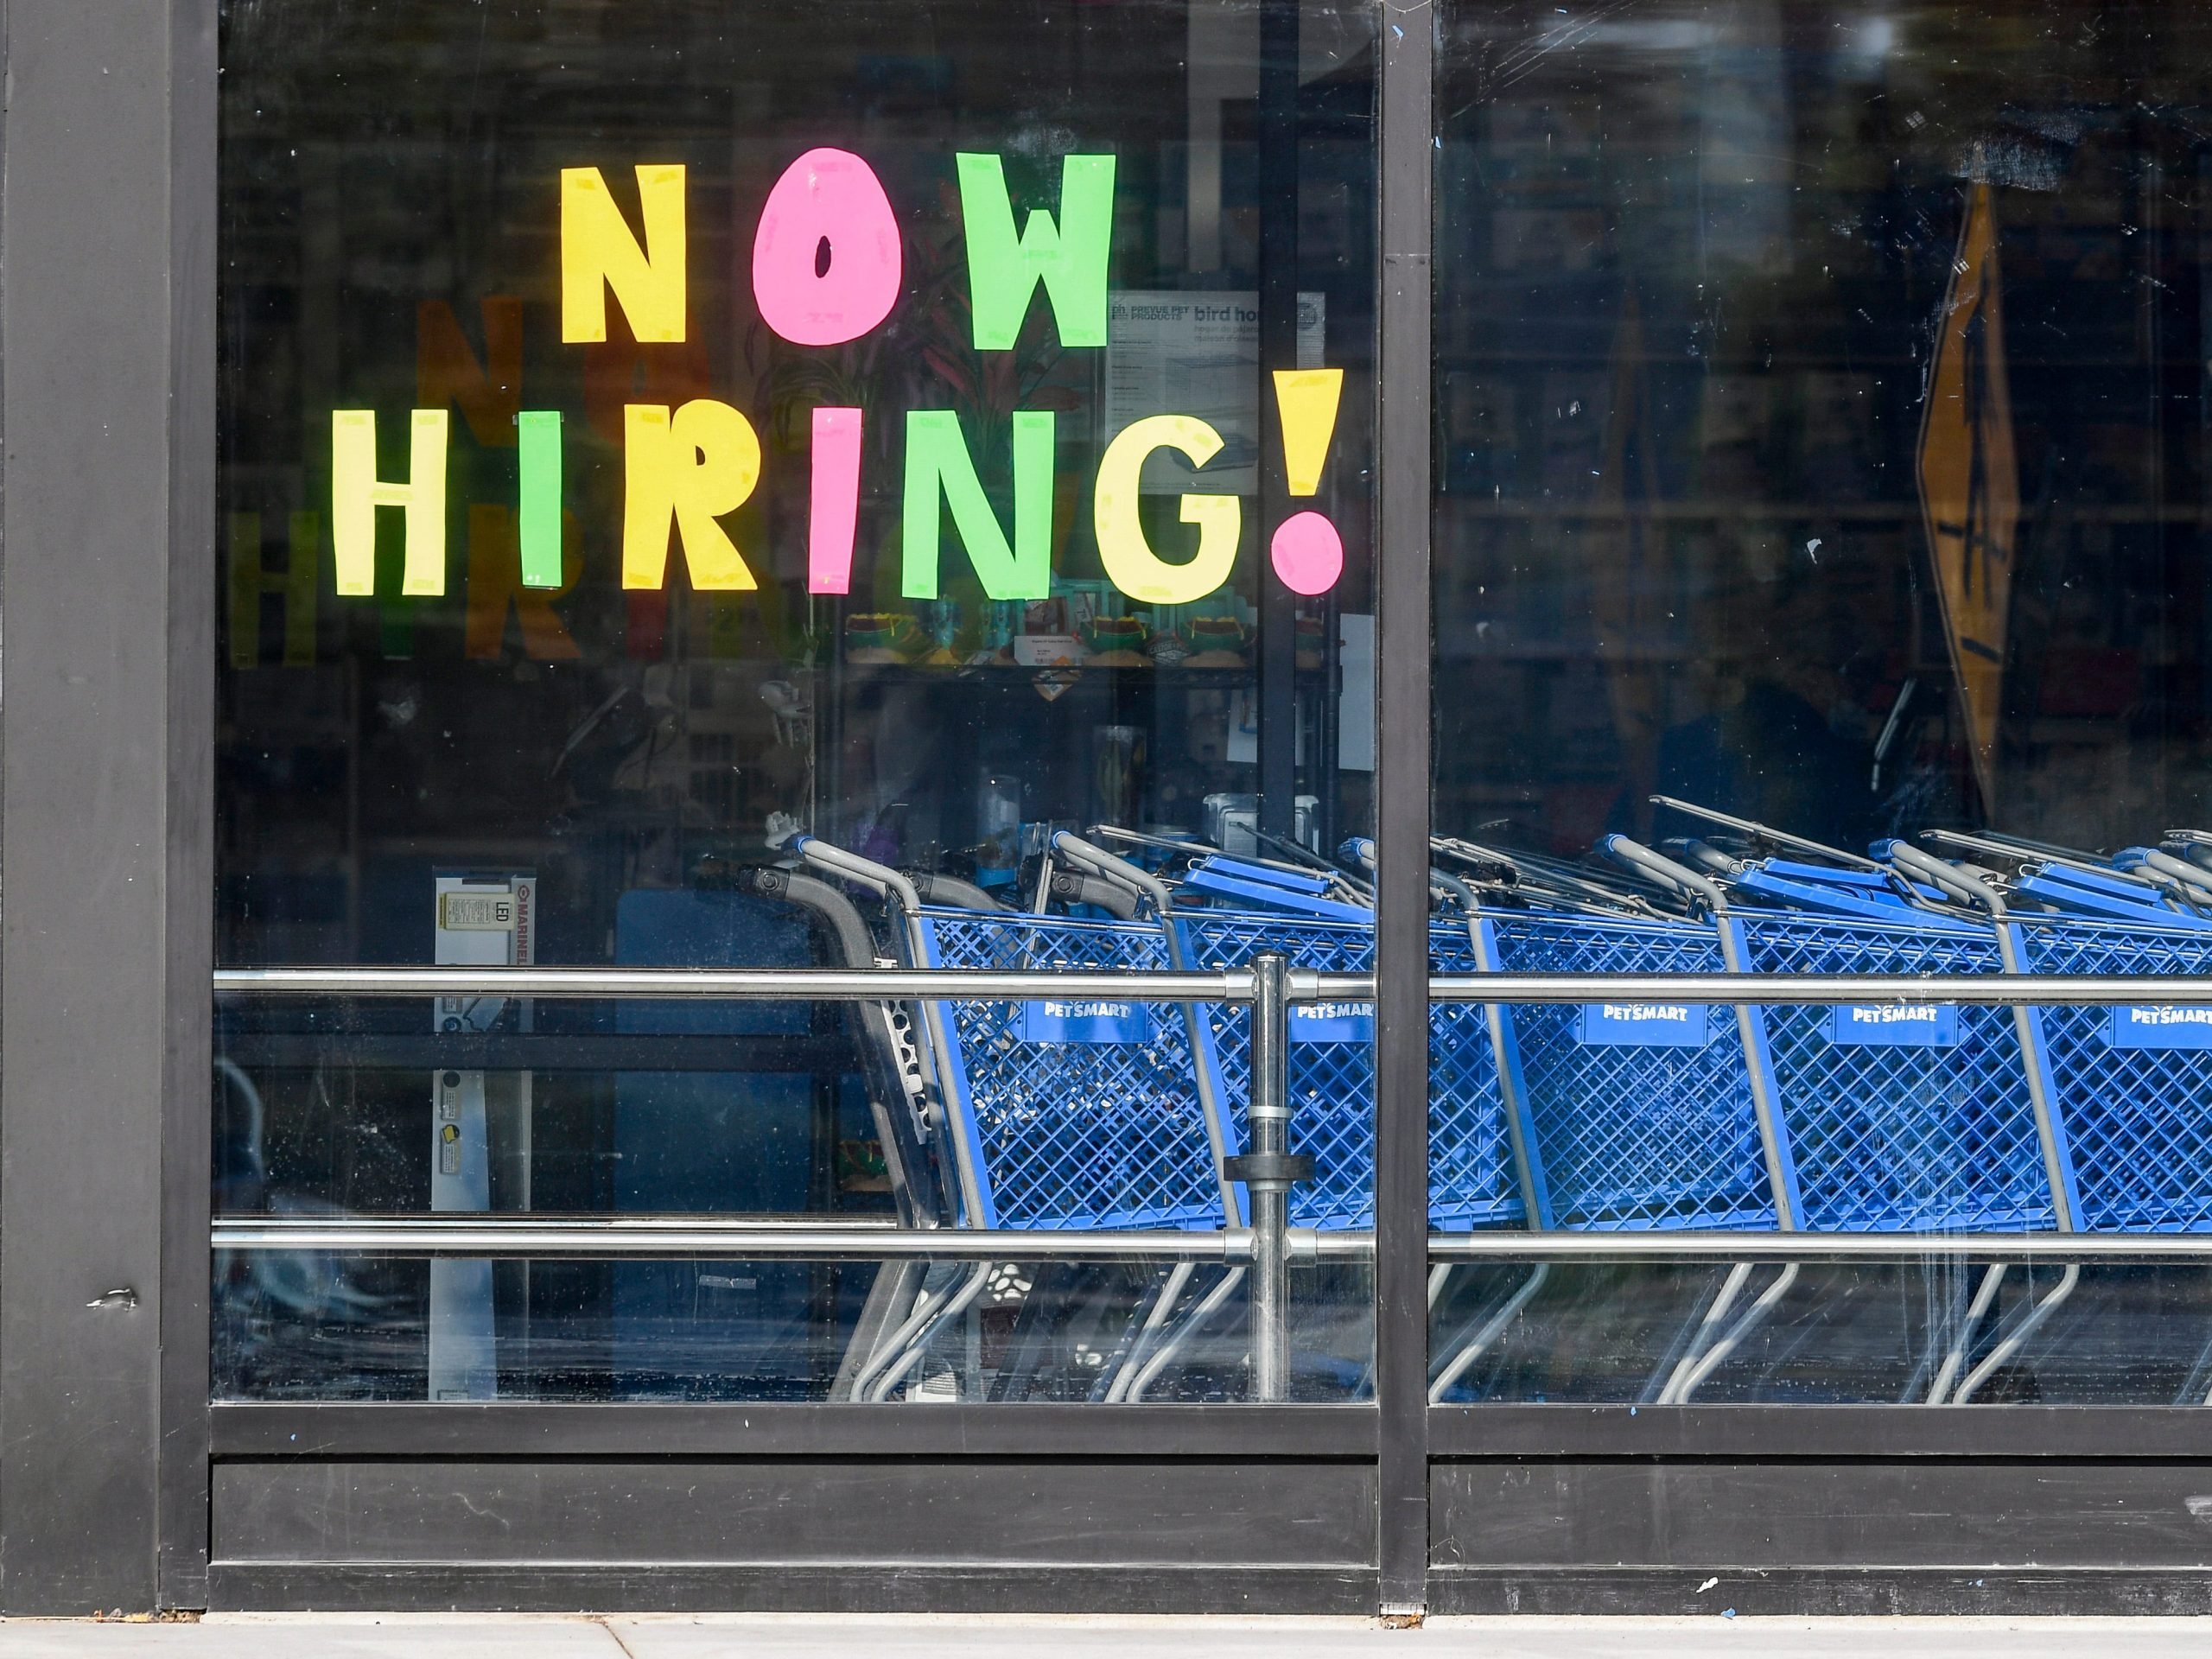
{"points": [[1476, 1177], [1612, 1114], [1646, 1115], [1054, 1113], [1061, 1113], [1924, 1117], [2131, 1082]]}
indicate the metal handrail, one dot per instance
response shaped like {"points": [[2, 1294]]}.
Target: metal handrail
{"points": [[667, 1237], [1785, 989], [1231, 985], [1503, 1245], [733, 985], [1270, 1245], [687, 1235]]}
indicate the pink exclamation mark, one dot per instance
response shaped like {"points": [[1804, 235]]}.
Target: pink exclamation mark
{"points": [[836, 498], [1307, 553]]}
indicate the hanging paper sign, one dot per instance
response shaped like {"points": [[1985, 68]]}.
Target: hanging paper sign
{"points": [[1924, 1024], [1199, 354], [1970, 483], [2160, 1027], [1069, 1019], [1332, 1022], [1643, 1025]]}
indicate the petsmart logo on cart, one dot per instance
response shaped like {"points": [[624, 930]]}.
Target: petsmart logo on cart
{"points": [[2160, 1028], [1064, 1020], [1895, 1025], [1643, 1025], [1332, 1022]]}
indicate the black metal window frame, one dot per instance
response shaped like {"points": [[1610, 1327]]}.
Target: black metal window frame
{"points": [[110, 1455]]}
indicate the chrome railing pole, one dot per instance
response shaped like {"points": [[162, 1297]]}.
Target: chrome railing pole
{"points": [[1266, 1172], [1233, 985], [1270, 1120]]}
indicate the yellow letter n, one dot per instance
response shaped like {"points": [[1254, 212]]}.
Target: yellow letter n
{"points": [[598, 252]]}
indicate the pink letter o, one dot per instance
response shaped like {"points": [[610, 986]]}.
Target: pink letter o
{"points": [[826, 195]]}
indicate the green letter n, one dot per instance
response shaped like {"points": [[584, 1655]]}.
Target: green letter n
{"points": [[938, 464], [1071, 257]]}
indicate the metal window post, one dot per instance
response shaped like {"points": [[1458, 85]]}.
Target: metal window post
{"points": [[1267, 1172], [1402, 653]]}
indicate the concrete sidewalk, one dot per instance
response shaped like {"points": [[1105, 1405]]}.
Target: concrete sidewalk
{"points": [[810, 1637]]}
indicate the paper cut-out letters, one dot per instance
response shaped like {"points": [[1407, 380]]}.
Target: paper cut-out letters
{"points": [[827, 200], [835, 505], [598, 252], [939, 468], [356, 492], [1069, 257], [1128, 558], [539, 509], [1307, 553], [1307, 399], [693, 467]]}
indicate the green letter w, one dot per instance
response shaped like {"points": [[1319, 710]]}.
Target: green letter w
{"points": [[1003, 273]]}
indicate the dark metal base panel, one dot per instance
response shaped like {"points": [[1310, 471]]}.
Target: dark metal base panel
{"points": [[854, 1587], [1820, 1535], [890, 1533], [1817, 1513], [1807, 1593]]}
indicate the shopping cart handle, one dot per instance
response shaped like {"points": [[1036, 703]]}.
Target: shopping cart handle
{"points": [[1664, 870], [1097, 861], [1952, 879], [880, 879]]}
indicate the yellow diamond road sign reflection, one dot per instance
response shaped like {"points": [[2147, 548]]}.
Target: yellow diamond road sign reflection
{"points": [[1970, 483]]}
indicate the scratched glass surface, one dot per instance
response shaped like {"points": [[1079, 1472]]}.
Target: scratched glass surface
{"points": [[494, 688], [1822, 427]]}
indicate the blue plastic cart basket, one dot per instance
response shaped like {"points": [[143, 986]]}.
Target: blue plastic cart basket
{"points": [[2133, 1082], [1332, 1061], [1644, 1114], [1900, 1118]]}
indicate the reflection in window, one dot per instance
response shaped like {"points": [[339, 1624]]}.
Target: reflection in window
{"points": [[1819, 420]]}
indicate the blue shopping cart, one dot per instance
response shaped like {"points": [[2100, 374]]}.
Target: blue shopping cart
{"points": [[1927, 1117], [1921, 1118], [1477, 1177], [1480, 1171], [1056, 1112], [2133, 1082], [1646, 1115]]}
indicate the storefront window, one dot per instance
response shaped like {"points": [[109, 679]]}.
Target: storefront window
{"points": [[680, 462], [1820, 421]]}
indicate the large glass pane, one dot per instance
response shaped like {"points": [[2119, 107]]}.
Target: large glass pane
{"points": [[1820, 435], [681, 463]]}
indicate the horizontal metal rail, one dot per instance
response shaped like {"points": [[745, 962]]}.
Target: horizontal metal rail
{"points": [[665, 1237], [2004, 989], [1719, 1247], [788, 1052], [675, 1237], [1233, 985], [734, 984]]}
